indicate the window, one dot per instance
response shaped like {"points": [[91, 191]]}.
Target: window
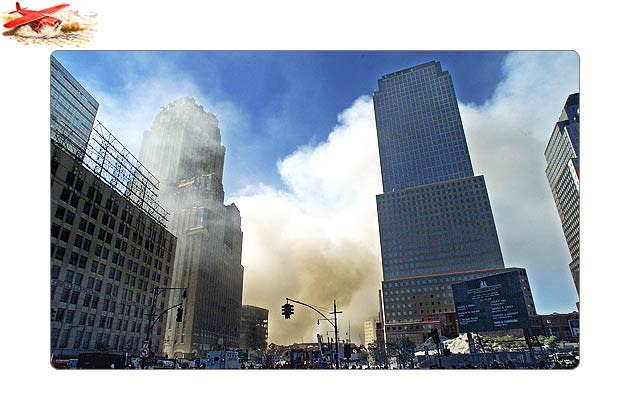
{"points": [[60, 212], [70, 178], [54, 230], [82, 261], [78, 279], [69, 217], [65, 235], [69, 317], [74, 298], [60, 315], [60, 252], [87, 300], [54, 271], [65, 195]]}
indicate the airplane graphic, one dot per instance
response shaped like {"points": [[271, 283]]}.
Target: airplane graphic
{"points": [[36, 19]]}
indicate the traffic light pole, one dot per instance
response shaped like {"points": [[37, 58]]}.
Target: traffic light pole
{"points": [[156, 293], [334, 325], [336, 334]]}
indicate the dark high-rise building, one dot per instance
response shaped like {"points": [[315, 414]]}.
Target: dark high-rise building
{"points": [[183, 148], [254, 328], [435, 222], [563, 172]]}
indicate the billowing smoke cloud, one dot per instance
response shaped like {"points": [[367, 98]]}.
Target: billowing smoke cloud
{"points": [[317, 240], [507, 136]]}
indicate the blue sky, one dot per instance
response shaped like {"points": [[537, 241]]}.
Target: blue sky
{"points": [[302, 161], [286, 96]]}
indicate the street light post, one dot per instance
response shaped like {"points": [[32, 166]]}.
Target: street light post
{"points": [[336, 335], [156, 293], [335, 312]]}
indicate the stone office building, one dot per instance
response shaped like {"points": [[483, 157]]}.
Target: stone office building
{"points": [[183, 148], [109, 244]]}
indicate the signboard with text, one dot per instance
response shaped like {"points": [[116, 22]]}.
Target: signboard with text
{"points": [[491, 303], [574, 327]]}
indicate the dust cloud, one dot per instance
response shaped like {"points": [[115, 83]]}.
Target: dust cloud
{"points": [[317, 240], [72, 27]]}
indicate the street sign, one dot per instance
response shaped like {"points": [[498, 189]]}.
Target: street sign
{"points": [[574, 326], [144, 352], [491, 303]]}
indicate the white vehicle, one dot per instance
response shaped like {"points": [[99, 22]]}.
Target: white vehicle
{"points": [[222, 359]]}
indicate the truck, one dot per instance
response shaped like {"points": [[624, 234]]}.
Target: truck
{"points": [[101, 361], [222, 359]]}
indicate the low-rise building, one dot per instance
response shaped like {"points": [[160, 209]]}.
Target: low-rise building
{"points": [[254, 328]]}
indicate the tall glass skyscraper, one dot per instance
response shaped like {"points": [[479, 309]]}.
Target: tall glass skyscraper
{"points": [[563, 172], [435, 222], [72, 111]]}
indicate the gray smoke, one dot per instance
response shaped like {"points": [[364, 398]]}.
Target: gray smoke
{"points": [[317, 240]]}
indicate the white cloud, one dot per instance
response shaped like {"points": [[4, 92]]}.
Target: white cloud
{"points": [[507, 136], [130, 111]]}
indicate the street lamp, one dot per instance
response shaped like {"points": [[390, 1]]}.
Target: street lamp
{"points": [[156, 292], [334, 312]]}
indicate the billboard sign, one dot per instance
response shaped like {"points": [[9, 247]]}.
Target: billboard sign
{"points": [[574, 326], [491, 303]]}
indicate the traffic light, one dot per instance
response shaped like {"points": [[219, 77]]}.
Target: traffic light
{"points": [[180, 312], [435, 335], [53, 314], [287, 310], [347, 351]]}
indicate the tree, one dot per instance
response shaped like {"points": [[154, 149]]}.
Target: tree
{"points": [[404, 351]]}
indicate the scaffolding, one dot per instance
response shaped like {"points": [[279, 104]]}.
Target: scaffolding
{"points": [[109, 160]]}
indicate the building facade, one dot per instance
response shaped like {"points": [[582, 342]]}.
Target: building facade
{"points": [[183, 148], [369, 331], [107, 252], [72, 111], [562, 326], [254, 328], [435, 221], [563, 173]]}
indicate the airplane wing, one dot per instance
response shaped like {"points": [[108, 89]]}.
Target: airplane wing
{"points": [[31, 17], [54, 9]]}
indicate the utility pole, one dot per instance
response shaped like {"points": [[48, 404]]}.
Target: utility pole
{"points": [[287, 311], [156, 293], [336, 336]]}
